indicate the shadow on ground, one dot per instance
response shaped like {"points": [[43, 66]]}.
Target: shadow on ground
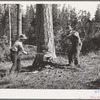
{"points": [[55, 66], [93, 84], [3, 72]]}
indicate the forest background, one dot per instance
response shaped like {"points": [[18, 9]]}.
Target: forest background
{"points": [[89, 29]]}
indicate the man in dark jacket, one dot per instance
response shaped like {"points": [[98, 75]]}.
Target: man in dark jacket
{"points": [[76, 45]]}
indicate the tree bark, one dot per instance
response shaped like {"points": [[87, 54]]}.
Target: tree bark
{"points": [[45, 37], [19, 20], [9, 27]]}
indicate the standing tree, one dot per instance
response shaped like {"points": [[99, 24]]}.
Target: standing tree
{"points": [[97, 14], [9, 27], [45, 38], [19, 20]]}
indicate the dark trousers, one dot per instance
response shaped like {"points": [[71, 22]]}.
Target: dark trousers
{"points": [[16, 60], [73, 55]]}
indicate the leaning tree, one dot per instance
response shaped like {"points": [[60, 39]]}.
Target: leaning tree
{"points": [[45, 37]]}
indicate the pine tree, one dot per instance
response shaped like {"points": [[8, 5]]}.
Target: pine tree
{"points": [[97, 14], [45, 37], [19, 20], [9, 27]]}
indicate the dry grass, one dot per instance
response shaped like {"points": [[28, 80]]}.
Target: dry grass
{"points": [[61, 77]]}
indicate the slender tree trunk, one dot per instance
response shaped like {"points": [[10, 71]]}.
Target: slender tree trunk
{"points": [[9, 27], [4, 20], [45, 37], [19, 20]]}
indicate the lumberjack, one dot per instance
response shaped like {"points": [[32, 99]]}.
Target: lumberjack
{"points": [[76, 45]]}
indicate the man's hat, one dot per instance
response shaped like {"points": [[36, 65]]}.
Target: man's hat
{"points": [[75, 33], [22, 36]]}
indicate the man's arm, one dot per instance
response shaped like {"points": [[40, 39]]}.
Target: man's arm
{"points": [[80, 42], [22, 49], [69, 35]]}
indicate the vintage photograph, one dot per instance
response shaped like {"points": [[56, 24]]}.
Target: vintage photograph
{"points": [[50, 45]]}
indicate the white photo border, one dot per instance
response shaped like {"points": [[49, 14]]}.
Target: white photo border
{"points": [[47, 93]]}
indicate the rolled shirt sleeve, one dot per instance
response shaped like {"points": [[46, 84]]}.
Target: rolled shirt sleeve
{"points": [[21, 48]]}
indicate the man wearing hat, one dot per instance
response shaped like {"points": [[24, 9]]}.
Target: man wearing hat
{"points": [[76, 45], [15, 53]]}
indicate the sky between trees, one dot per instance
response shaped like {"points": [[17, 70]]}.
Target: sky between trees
{"points": [[88, 6]]}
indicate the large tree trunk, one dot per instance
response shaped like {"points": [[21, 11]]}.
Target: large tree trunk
{"points": [[19, 20], [9, 27], [45, 38]]}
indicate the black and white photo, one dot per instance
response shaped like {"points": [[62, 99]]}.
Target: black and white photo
{"points": [[50, 45]]}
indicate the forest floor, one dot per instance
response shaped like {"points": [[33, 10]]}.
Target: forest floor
{"points": [[61, 77]]}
